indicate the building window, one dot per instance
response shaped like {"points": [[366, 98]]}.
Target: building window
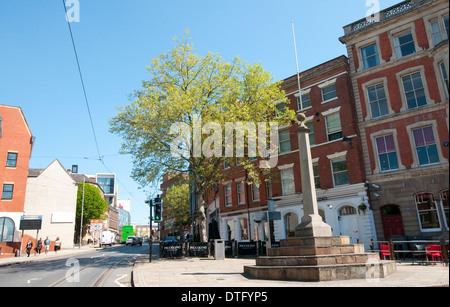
{"points": [[241, 192], [312, 140], [347, 210], [255, 193], [6, 229], [7, 191], [230, 230], [444, 76], [427, 211], [226, 164], [11, 159], [404, 44], [280, 109], [340, 172], [305, 102], [445, 21], [444, 205], [287, 182], [414, 91], [316, 175], [387, 155], [377, 100], [284, 140], [329, 92], [334, 130], [425, 144], [227, 192], [369, 56], [107, 184], [243, 227], [436, 33]]}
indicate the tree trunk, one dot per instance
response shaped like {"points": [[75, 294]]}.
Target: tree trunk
{"points": [[201, 219]]}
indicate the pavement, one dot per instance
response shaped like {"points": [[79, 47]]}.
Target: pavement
{"points": [[64, 252], [207, 272]]}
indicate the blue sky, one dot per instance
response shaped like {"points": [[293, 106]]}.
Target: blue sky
{"points": [[116, 39]]}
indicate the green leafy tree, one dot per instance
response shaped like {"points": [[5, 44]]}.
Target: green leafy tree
{"points": [[193, 90], [94, 206], [176, 204]]}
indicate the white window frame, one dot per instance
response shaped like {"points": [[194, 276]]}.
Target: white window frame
{"points": [[434, 210], [239, 186], [255, 188], [228, 197], [369, 102], [378, 153], [335, 91], [287, 181], [398, 47], [363, 59], [280, 132], [327, 128], [333, 173]]}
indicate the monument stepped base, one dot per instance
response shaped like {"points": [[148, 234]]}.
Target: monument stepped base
{"points": [[319, 259]]}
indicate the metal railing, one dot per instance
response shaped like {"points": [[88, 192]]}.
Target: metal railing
{"points": [[413, 251]]}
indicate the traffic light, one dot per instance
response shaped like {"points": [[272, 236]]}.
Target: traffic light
{"points": [[157, 202]]}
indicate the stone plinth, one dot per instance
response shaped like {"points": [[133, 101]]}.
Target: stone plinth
{"points": [[319, 259]]}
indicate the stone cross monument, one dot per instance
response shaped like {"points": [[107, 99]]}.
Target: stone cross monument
{"points": [[311, 224]]}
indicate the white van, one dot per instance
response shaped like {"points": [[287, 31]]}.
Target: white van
{"points": [[107, 238]]}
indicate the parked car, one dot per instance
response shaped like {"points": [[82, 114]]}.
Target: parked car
{"points": [[139, 241], [130, 240], [171, 239]]}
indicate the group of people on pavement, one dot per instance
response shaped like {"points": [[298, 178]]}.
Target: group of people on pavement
{"points": [[39, 244]]}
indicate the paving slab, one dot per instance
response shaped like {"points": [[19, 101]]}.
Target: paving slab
{"points": [[207, 272]]}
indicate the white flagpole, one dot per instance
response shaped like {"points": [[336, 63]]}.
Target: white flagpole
{"points": [[298, 71]]}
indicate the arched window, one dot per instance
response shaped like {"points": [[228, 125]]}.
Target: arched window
{"points": [[290, 222], [347, 210], [6, 229], [427, 212]]}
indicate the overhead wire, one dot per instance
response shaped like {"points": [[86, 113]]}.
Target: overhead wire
{"points": [[100, 157]]}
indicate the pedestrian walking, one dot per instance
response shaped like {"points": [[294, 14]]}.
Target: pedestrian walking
{"points": [[37, 249], [57, 245], [46, 245], [29, 247]]}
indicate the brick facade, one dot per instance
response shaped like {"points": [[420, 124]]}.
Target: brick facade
{"points": [[16, 142], [411, 76], [334, 197]]}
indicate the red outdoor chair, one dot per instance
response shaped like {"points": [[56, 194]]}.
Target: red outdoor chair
{"points": [[435, 252], [384, 251]]}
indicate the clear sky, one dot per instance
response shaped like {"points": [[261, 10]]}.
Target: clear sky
{"points": [[116, 39]]}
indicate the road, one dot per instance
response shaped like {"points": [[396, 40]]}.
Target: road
{"points": [[107, 267]]}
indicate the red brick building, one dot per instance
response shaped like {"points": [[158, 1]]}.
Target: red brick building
{"points": [[399, 70], [328, 103], [16, 143]]}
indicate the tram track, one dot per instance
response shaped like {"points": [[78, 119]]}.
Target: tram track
{"points": [[100, 278]]}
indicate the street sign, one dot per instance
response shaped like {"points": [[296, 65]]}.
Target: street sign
{"points": [[275, 216], [30, 222], [96, 225], [262, 216]]}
